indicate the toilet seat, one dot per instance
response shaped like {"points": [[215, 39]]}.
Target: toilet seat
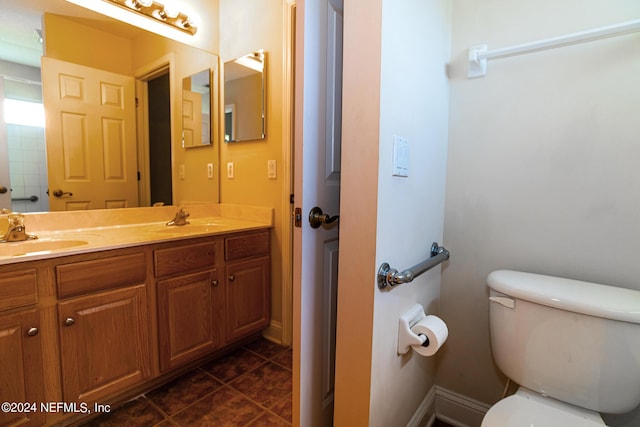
{"points": [[529, 409]]}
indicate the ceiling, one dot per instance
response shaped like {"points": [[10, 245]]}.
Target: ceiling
{"points": [[20, 18]]}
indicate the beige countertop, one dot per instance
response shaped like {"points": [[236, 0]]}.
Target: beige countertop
{"points": [[70, 233]]}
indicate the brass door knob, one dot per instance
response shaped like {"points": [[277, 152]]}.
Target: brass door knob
{"points": [[60, 193], [317, 218]]}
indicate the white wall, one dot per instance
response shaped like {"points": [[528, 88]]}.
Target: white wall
{"points": [[542, 171], [414, 97]]}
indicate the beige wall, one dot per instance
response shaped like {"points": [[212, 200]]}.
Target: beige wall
{"points": [[542, 172], [71, 41], [247, 26]]}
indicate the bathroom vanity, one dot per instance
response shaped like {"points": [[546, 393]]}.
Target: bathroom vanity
{"points": [[99, 322]]}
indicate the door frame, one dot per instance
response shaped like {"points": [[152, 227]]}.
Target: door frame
{"points": [[288, 112], [142, 76]]}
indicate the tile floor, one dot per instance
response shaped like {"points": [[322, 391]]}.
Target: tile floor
{"points": [[248, 387]]}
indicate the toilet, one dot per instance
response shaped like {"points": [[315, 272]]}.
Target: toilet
{"points": [[573, 347]]}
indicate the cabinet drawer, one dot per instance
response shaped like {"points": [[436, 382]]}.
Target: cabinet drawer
{"points": [[246, 245], [18, 288], [100, 274], [185, 258]]}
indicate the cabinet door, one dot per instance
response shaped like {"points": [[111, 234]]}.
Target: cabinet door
{"points": [[21, 368], [104, 343], [189, 317], [248, 297]]}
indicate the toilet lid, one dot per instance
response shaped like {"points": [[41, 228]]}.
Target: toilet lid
{"points": [[526, 410]]}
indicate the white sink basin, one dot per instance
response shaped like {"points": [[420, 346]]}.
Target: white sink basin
{"points": [[30, 247]]}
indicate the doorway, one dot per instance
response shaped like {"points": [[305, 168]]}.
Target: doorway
{"points": [[159, 108]]}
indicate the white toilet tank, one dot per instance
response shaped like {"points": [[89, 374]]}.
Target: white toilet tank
{"points": [[575, 341]]}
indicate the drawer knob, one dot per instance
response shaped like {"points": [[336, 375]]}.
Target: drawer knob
{"points": [[214, 283], [232, 277], [32, 332], [69, 321]]}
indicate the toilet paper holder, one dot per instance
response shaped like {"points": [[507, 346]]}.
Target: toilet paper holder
{"points": [[406, 337]]}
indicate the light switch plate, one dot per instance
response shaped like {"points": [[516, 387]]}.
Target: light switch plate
{"points": [[271, 169], [230, 170], [400, 156]]}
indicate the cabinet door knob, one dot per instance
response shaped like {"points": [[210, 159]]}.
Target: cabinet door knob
{"points": [[214, 283], [32, 332], [69, 321], [232, 277]]}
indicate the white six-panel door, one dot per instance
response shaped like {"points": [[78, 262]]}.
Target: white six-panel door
{"points": [[90, 137]]}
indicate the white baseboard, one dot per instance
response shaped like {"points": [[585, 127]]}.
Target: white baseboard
{"points": [[273, 332], [459, 410], [425, 415]]}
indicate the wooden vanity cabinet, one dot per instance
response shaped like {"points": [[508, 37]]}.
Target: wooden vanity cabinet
{"points": [[190, 301], [103, 326], [248, 284], [21, 369]]}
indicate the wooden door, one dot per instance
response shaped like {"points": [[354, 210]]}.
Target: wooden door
{"points": [[91, 137], [21, 375], [190, 310], [192, 119], [248, 297], [104, 343], [317, 183], [5, 185]]}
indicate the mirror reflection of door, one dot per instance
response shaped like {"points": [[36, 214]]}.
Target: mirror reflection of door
{"points": [[5, 186], [91, 137], [196, 109], [160, 139]]}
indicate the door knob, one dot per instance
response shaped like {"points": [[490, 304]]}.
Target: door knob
{"points": [[3, 189], [60, 193], [317, 218], [32, 332], [69, 321]]}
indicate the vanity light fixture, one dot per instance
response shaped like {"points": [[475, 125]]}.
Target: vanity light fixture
{"points": [[158, 12], [166, 12]]}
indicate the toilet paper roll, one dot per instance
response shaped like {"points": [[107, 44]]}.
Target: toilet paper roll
{"points": [[436, 332]]}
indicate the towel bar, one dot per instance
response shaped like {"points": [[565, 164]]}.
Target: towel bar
{"points": [[388, 276]]}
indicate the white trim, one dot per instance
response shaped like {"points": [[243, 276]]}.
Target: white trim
{"points": [[274, 332], [457, 409], [286, 332], [426, 410]]}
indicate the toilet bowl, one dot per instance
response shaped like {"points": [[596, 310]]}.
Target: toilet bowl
{"points": [[573, 347], [530, 409]]}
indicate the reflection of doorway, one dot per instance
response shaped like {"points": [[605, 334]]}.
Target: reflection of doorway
{"points": [[159, 107]]}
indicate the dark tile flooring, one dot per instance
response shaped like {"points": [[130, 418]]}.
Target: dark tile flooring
{"points": [[249, 387]]}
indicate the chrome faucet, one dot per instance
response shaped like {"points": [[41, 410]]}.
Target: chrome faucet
{"points": [[16, 232], [180, 218]]}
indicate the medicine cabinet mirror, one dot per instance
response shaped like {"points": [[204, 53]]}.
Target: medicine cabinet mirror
{"points": [[196, 109], [244, 98]]}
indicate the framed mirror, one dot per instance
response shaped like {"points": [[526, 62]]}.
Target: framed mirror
{"points": [[196, 109], [245, 98]]}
